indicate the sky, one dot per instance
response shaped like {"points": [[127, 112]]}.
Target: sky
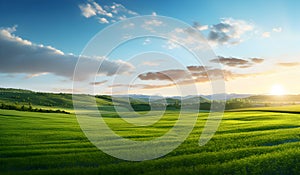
{"points": [[252, 46]]}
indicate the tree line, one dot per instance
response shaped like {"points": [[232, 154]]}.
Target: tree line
{"points": [[30, 108]]}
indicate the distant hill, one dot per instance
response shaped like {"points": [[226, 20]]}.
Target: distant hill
{"points": [[226, 96], [275, 98], [27, 98], [162, 100], [62, 100]]}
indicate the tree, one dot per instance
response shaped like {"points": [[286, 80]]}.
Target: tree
{"points": [[176, 104], [29, 107]]}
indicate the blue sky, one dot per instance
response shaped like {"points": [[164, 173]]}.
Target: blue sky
{"points": [[266, 30]]}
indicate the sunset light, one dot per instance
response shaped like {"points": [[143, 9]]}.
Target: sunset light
{"points": [[277, 89]]}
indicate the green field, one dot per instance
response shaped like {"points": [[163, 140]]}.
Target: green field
{"points": [[248, 142]]}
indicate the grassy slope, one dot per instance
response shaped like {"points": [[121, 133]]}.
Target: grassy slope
{"points": [[56, 100], [246, 142], [287, 109], [42, 100], [24, 97]]}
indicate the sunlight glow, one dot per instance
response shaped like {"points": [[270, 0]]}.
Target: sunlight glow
{"points": [[277, 89]]}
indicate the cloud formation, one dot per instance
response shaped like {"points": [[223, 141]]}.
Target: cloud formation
{"points": [[229, 31], [87, 10], [266, 34], [257, 60], [278, 29], [22, 56], [237, 62], [288, 64], [232, 31], [99, 82], [106, 14], [152, 24], [103, 20], [200, 27], [186, 76], [193, 74], [169, 75], [197, 68]]}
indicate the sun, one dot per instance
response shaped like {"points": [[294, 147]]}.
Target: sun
{"points": [[277, 89]]}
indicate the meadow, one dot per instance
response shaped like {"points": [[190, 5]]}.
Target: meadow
{"points": [[247, 142]]}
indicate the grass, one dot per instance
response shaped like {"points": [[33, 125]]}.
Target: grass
{"points": [[284, 109], [247, 142]]}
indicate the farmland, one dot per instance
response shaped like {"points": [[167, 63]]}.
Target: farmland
{"points": [[247, 142]]}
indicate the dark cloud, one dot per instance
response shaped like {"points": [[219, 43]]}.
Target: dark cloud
{"points": [[232, 62], [168, 75], [200, 27], [257, 60], [176, 74], [98, 82], [219, 33], [142, 86], [197, 68], [181, 76], [197, 74], [288, 64], [229, 31], [21, 56], [237, 62]]}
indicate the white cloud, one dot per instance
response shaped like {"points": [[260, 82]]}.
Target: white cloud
{"points": [[171, 45], [119, 8], [36, 75], [123, 17], [179, 30], [278, 29], [187, 37], [151, 24], [87, 10], [147, 41], [22, 56], [101, 11], [200, 27], [266, 34], [229, 31], [10, 30], [6, 34], [103, 20], [154, 14], [115, 12], [128, 25]]}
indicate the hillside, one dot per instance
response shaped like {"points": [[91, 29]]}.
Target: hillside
{"points": [[63, 100], [245, 143], [26, 97], [275, 98], [284, 109]]}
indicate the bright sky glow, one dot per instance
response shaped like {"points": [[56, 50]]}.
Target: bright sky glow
{"points": [[277, 89]]}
